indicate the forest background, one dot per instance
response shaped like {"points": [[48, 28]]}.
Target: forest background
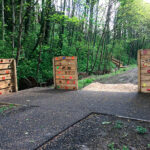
{"points": [[34, 31]]}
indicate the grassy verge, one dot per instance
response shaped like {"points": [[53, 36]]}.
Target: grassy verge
{"points": [[4, 108], [84, 82]]}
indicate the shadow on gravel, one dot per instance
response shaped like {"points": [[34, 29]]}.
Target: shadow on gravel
{"points": [[52, 91]]}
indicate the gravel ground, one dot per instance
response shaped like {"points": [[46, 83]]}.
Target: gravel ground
{"points": [[125, 82], [47, 112], [111, 87], [99, 132], [128, 77]]}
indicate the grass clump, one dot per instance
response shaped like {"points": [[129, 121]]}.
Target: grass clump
{"points": [[141, 130], [5, 108], [118, 124], [85, 82], [111, 146], [125, 148]]}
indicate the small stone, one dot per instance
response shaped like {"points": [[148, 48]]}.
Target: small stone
{"points": [[26, 133]]}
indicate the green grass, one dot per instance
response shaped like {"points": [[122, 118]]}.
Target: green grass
{"points": [[141, 130], [84, 82], [118, 124], [4, 108]]}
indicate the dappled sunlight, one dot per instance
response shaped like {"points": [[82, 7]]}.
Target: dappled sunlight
{"points": [[111, 87]]}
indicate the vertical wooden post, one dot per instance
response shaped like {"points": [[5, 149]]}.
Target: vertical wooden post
{"points": [[139, 70], [54, 74], [76, 73], [15, 76]]}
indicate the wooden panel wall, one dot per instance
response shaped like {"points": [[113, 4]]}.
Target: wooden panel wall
{"points": [[65, 72], [144, 71], [8, 76]]}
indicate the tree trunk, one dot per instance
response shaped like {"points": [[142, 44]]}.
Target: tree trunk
{"points": [[20, 32], [14, 26], [3, 21]]}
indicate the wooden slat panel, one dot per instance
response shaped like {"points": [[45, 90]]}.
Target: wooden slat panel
{"points": [[5, 66], [144, 57], [139, 71], [145, 78], [8, 76], [65, 72], [144, 65], [54, 72], [64, 62], [14, 78], [6, 83], [145, 84], [145, 90], [145, 52], [68, 82], [6, 61], [5, 77], [68, 68], [7, 71], [66, 87], [65, 58], [145, 72], [72, 77], [6, 91]]}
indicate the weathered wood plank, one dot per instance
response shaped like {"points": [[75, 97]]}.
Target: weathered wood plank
{"points": [[7, 71], [139, 71], [145, 90], [65, 72], [6, 61], [5, 66], [65, 58], [145, 72], [145, 78], [143, 57], [6, 83], [66, 87], [68, 77], [66, 68], [5, 77], [145, 52], [64, 62], [15, 76], [67, 82], [54, 73], [145, 84], [6, 91]]}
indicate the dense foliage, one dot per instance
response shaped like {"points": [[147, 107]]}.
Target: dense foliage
{"points": [[34, 31]]}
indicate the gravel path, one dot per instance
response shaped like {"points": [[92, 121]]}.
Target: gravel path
{"points": [[128, 77], [125, 82], [47, 112]]}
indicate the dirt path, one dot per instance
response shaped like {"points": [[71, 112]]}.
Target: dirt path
{"points": [[126, 82]]}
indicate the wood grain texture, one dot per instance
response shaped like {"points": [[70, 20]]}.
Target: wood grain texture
{"points": [[6, 84], [139, 71], [5, 66], [8, 76], [6, 61], [144, 71], [15, 76], [65, 72], [7, 71]]}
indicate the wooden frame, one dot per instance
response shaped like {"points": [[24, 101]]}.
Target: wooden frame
{"points": [[8, 76], [144, 71], [65, 72]]}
